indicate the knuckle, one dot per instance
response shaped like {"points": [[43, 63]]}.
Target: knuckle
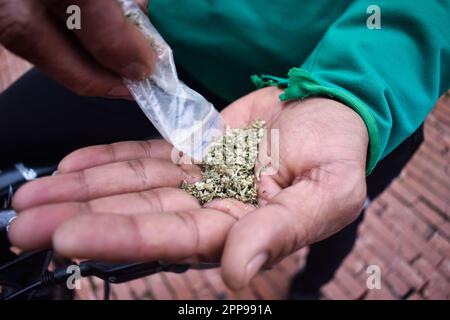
{"points": [[138, 168], [194, 245], [147, 148], [111, 151], [83, 183], [153, 198]]}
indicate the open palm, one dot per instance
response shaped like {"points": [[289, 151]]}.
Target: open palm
{"points": [[123, 202]]}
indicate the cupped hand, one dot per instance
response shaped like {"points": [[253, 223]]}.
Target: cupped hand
{"points": [[123, 202], [90, 60]]}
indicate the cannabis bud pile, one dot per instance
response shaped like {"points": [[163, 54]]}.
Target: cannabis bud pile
{"points": [[228, 168]]}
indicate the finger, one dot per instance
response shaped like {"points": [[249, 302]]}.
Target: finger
{"points": [[267, 234], [232, 207], [47, 47], [33, 228], [143, 4], [122, 151], [107, 180], [267, 189], [109, 37], [149, 201], [195, 234], [251, 107]]}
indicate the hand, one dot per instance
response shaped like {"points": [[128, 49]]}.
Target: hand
{"points": [[89, 61], [122, 202]]}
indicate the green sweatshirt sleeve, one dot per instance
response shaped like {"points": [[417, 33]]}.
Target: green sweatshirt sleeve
{"points": [[392, 76]]}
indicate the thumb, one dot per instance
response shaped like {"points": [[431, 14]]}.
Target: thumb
{"points": [[259, 239], [301, 214]]}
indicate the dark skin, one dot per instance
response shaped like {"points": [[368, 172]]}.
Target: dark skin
{"points": [[122, 201], [91, 61]]}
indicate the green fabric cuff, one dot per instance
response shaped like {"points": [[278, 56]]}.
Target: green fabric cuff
{"points": [[300, 85]]}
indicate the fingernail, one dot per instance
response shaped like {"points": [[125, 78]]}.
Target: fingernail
{"points": [[254, 266], [135, 71], [120, 91]]}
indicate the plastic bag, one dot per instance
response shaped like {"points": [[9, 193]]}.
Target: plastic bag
{"points": [[182, 116]]}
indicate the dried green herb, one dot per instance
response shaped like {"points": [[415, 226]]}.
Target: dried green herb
{"points": [[228, 170]]}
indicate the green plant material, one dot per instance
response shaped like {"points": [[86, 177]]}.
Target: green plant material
{"points": [[228, 170]]}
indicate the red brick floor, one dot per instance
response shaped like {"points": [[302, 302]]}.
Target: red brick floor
{"points": [[406, 233]]}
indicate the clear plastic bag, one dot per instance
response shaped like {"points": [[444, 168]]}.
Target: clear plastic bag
{"points": [[182, 116]]}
